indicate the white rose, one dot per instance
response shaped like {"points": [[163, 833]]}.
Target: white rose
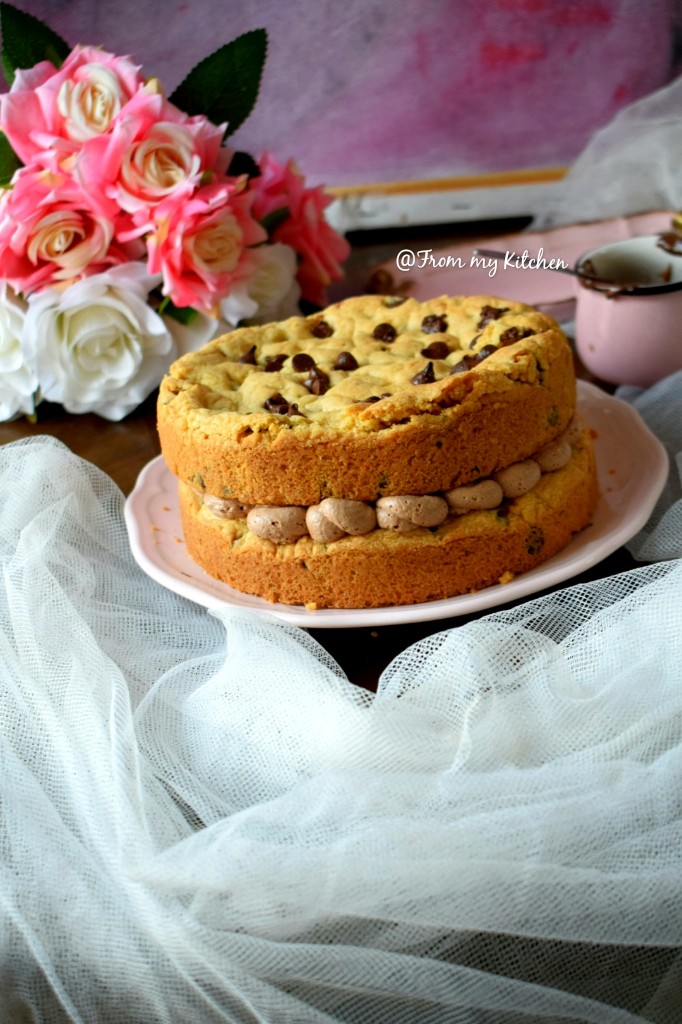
{"points": [[98, 345], [270, 292], [196, 332], [18, 380]]}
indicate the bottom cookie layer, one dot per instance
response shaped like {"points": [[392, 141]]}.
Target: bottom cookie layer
{"points": [[465, 554]]}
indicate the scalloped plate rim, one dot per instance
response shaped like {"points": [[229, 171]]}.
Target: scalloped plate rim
{"points": [[632, 476]]}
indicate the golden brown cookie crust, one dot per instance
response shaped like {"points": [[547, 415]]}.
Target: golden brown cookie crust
{"points": [[216, 434], [466, 553]]}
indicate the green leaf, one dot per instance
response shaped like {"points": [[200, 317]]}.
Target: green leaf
{"points": [[224, 86], [9, 161], [243, 163], [26, 41], [273, 220], [183, 314]]}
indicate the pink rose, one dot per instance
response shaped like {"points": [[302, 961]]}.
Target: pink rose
{"points": [[163, 158], [49, 108], [50, 234], [199, 242], [320, 248], [152, 149]]}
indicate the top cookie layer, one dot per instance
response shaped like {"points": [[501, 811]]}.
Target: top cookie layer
{"points": [[242, 413]]}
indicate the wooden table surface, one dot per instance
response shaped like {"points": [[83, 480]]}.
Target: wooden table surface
{"points": [[123, 449]]}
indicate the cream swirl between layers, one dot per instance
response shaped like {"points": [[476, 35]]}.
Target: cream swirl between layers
{"points": [[334, 518]]}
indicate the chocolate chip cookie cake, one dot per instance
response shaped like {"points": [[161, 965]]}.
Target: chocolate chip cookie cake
{"points": [[384, 451]]}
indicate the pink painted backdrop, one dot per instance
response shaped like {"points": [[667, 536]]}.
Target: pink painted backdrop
{"points": [[383, 90]]}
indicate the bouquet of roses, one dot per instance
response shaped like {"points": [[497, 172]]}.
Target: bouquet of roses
{"points": [[129, 231]]}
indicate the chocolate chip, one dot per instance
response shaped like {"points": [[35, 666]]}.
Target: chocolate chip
{"points": [[345, 361], [317, 382], [513, 334], [274, 363], [436, 350], [425, 376], [322, 329], [472, 343], [249, 356], [465, 363], [484, 352], [276, 403], [434, 324], [489, 313], [380, 283], [384, 332], [302, 362], [535, 540]]}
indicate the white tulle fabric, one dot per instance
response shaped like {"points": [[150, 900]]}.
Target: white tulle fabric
{"points": [[203, 820], [661, 409]]}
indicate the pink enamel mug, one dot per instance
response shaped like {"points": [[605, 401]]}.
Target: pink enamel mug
{"points": [[628, 322]]}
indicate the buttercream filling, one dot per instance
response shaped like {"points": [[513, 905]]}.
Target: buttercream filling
{"points": [[334, 518]]}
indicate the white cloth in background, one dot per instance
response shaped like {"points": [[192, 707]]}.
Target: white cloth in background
{"points": [[632, 165], [202, 820]]}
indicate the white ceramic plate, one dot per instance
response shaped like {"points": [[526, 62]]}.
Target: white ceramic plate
{"points": [[632, 466]]}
